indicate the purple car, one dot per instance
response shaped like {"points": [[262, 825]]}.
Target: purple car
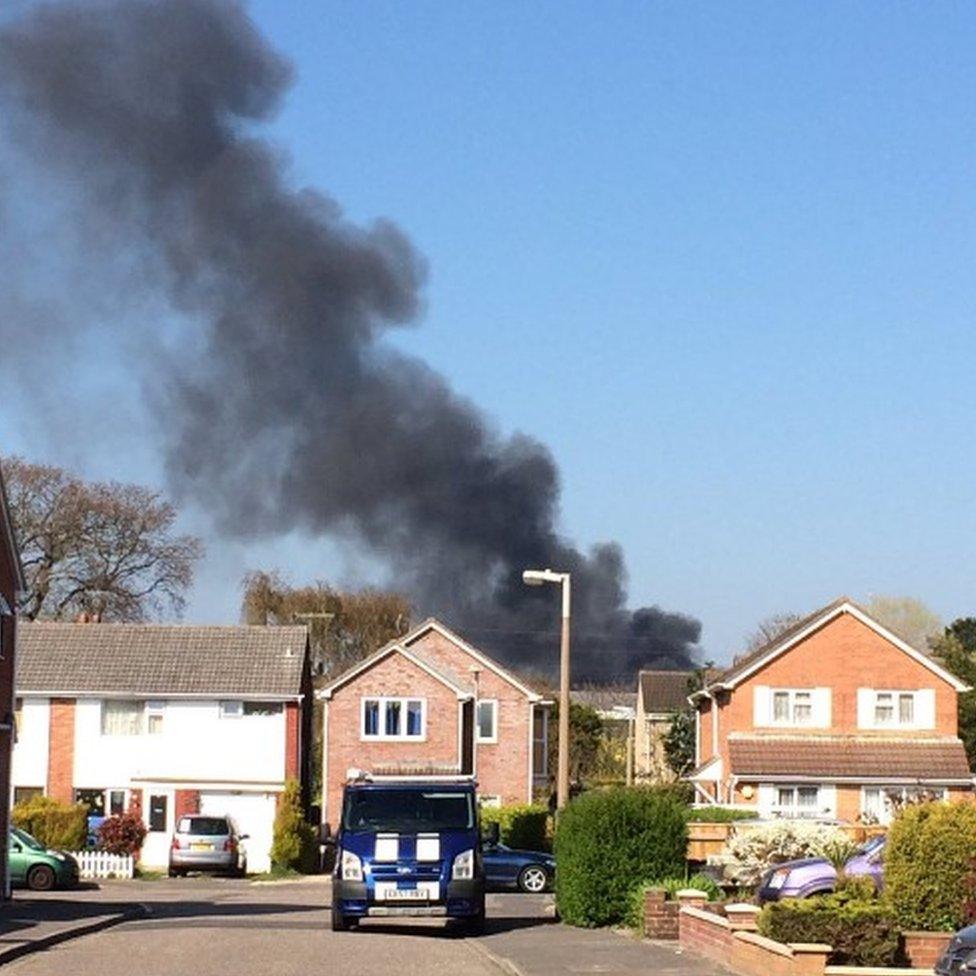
{"points": [[817, 876]]}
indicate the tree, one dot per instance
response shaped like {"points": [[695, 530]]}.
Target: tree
{"points": [[909, 618], [679, 740], [100, 548], [344, 626], [957, 650], [585, 738], [769, 628]]}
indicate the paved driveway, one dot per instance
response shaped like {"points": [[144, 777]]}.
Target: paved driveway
{"points": [[214, 927]]}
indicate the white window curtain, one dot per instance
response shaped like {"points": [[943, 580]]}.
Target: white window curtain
{"points": [[122, 717]]}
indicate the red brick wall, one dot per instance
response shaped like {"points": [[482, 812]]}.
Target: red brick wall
{"points": [[185, 802], [708, 935], [61, 750], [502, 768], [396, 676], [292, 740]]}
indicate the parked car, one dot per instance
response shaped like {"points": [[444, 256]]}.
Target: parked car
{"points": [[960, 953], [817, 876], [505, 868], [35, 866], [206, 843]]}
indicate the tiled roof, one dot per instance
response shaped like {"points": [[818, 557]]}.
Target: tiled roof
{"points": [[848, 756], [605, 699], [158, 659], [663, 691]]}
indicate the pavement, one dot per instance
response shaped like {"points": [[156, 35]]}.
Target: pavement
{"points": [[214, 926]]}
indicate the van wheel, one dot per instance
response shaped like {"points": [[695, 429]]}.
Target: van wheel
{"points": [[341, 922], [475, 924], [40, 878]]}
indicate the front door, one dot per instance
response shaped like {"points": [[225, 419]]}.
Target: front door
{"points": [[157, 812]]}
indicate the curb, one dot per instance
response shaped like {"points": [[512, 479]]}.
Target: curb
{"points": [[133, 914], [505, 965]]}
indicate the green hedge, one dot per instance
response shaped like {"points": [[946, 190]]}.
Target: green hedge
{"points": [[520, 825], [61, 826], [928, 873], [862, 933], [719, 815], [607, 838]]}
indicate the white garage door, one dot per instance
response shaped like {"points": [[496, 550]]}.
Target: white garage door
{"points": [[254, 813]]}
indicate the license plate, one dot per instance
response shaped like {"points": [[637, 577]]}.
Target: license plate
{"points": [[201, 847], [406, 894]]}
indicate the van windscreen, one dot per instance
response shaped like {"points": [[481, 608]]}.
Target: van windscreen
{"points": [[408, 811]]}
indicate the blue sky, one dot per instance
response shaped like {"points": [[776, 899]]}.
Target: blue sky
{"points": [[718, 256]]}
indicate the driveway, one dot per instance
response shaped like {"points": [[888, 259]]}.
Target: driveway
{"points": [[214, 927]]}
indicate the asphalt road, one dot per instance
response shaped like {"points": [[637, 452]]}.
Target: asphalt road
{"points": [[215, 927]]}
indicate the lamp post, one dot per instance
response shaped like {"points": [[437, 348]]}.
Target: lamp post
{"points": [[539, 577]]}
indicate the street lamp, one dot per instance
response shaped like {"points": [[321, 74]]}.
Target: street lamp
{"points": [[539, 577]]}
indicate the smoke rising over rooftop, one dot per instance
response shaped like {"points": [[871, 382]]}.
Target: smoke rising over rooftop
{"points": [[286, 410]]}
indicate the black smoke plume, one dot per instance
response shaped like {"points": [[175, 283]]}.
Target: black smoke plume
{"points": [[281, 408]]}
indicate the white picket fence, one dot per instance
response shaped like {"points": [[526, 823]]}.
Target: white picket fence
{"points": [[98, 864]]}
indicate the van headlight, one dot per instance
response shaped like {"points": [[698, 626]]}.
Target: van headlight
{"points": [[463, 869], [351, 867]]}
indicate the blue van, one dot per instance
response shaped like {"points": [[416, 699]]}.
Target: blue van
{"points": [[408, 849]]}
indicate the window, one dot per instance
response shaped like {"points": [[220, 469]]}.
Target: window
{"points": [[894, 708], [540, 744], [797, 801], [122, 717], [24, 793], [792, 707], [154, 717], [393, 718], [93, 799], [878, 803], [262, 708], [157, 813], [116, 803], [231, 709], [487, 720]]}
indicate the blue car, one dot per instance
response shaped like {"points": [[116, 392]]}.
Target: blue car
{"points": [[507, 869]]}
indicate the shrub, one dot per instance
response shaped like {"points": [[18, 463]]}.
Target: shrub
{"points": [[62, 826], [927, 865], [520, 825], [123, 834], [294, 844], [701, 882], [608, 838], [862, 933], [719, 815], [753, 849]]}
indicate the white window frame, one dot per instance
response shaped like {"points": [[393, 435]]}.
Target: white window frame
{"points": [[231, 708], [155, 709], [108, 799], [886, 814], [493, 738], [122, 735], [791, 721], [382, 701], [896, 696], [794, 810]]}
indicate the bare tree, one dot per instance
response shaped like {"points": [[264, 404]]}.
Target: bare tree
{"points": [[101, 548], [908, 617], [769, 628], [344, 626]]}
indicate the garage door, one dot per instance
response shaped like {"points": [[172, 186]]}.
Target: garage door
{"points": [[254, 813]]}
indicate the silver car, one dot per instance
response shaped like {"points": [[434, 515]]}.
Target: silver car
{"points": [[205, 843]]}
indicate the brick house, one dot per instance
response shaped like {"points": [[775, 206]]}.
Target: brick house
{"points": [[660, 696], [164, 720], [430, 704], [11, 585], [831, 719]]}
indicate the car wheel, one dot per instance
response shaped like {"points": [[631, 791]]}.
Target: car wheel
{"points": [[242, 869], [41, 878], [533, 879], [342, 923]]}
